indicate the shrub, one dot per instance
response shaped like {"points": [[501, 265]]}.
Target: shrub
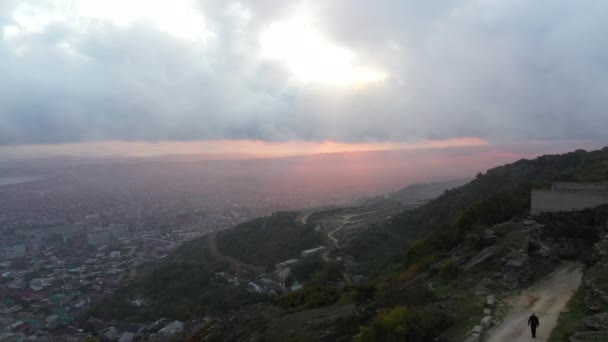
{"points": [[363, 293], [310, 297], [449, 271], [403, 324]]}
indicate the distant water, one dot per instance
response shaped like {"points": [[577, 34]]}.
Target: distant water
{"points": [[17, 180]]}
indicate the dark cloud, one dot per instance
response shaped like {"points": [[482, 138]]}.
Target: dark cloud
{"points": [[500, 70]]}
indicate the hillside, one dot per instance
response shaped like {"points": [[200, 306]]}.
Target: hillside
{"points": [[492, 197], [268, 240], [406, 281], [183, 284], [470, 253]]}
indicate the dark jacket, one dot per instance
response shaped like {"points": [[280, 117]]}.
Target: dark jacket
{"points": [[533, 321]]}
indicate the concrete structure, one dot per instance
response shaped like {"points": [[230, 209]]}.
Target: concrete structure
{"points": [[98, 237], [285, 264], [311, 252], [574, 186], [12, 251], [120, 231], [566, 196]]}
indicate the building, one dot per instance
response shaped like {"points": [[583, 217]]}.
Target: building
{"points": [[98, 237], [286, 264], [568, 196], [120, 231], [12, 251]]}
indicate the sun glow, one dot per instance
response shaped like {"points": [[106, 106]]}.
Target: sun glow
{"points": [[310, 56], [222, 149]]}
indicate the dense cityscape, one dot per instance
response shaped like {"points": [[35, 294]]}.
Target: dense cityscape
{"points": [[53, 267]]}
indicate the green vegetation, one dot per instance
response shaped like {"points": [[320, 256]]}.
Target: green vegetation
{"points": [[398, 276], [457, 217], [313, 270], [268, 240], [341, 320], [403, 324], [178, 286], [309, 298], [496, 196], [449, 271], [465, 310], [569, 321], [600, 278]]}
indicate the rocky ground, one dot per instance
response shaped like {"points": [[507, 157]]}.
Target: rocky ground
{"points": [[527, 265], [547, 299], [594, 326], [507, 272]]}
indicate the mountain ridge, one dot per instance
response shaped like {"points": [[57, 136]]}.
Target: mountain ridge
{"points": [[378, 248]]}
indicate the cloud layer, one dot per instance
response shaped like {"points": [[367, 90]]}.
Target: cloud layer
{"points": [[187, 70]]}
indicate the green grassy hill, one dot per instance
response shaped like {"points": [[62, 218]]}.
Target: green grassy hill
{"points": [[268, 240], [492, 197], [180, 286], [393, 253]]}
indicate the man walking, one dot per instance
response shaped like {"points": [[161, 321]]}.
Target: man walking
{"points": [[533, 323]]}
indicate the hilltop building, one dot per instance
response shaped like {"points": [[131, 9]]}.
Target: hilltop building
{"points": [[568, 196]]}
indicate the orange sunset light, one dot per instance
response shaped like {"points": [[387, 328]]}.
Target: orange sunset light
{"points": [[223, 149]]}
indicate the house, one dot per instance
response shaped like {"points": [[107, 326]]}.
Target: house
{"points": [[172, 328], [285, 264], [98, 237], [12, 251]]}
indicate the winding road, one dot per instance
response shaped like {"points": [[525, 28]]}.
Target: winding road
{"points": [[348, 219], [547, 298], [345, 220]]}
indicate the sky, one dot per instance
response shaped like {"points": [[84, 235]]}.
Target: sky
{"points": [[289, 76]]}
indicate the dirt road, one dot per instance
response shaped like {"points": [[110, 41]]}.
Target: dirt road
{"points": [[546, 298], [352, 219], [346, 219]]}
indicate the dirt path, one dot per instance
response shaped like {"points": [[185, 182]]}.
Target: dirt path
{"points": [[303, 218], [346, 219], [547, 299]]}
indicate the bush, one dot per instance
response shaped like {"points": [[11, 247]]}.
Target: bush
{"points": [[449, 271], [306, 268], [395, 292], [313, 270], [363, 293], [398, 324], [403, 324], [309, 298]]}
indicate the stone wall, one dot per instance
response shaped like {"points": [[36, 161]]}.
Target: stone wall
{"points": [[575, 186], [565, 200]]}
